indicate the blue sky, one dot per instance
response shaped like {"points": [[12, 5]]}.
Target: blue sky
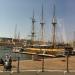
{"points": [[19, 12]]}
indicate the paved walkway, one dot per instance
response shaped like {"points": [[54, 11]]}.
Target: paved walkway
{"points": [[53, 66], [38, 73]]}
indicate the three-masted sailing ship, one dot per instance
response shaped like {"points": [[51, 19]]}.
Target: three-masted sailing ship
{"points": [[41, 47]]}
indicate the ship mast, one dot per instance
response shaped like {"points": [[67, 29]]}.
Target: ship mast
{"points": [[42, 27], [15, 33], [18, 37], [54, 22], [33, 32]]}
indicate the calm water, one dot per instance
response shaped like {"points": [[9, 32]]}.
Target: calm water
{"points": [[4, 51]]}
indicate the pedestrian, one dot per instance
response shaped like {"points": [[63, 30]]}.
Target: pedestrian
{"points": [[1, 61]]}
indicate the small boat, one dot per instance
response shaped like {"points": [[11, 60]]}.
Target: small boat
{"points": [[17, 49]]}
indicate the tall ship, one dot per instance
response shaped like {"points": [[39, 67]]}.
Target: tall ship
{"points": [[41, 47]]}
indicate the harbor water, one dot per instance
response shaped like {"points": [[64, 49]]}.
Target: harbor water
{"points": [[8, 51]]}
